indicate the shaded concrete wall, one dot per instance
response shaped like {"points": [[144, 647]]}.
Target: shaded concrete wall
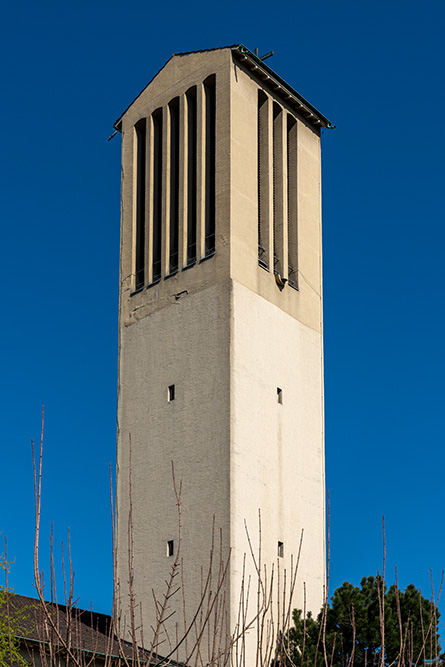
{"points": [[186, 345]]}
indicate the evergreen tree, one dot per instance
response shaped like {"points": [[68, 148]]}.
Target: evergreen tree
{"points": [[353, 629]]}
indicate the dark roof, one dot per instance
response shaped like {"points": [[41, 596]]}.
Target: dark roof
{"points": [[89, 630], [256, 65]]}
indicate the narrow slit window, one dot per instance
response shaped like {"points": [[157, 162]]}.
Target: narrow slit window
{"points": [[281, 549], [170, 547], [157, 193], [174, 184], [279, 395], [191, 174], [141, 152], [277, 178], [263, 184], [292, 202], [171, 393], [210, 164]]}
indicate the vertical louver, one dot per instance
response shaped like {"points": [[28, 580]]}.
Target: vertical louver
{"points": [[277, 190], [174, 147]]}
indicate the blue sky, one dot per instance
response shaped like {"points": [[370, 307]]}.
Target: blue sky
{"points": [[376, 71]]}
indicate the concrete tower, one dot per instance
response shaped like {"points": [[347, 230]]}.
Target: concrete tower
{"points": [[221, 326]]}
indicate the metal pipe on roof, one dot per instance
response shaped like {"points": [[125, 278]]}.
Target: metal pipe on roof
{"points": [[270, 74]]}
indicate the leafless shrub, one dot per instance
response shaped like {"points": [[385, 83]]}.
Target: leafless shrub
{"points": [[261, 635], [203, 638]]}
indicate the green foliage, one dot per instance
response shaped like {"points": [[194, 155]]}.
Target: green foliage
{"points": [[11, 626], [353, 632]]}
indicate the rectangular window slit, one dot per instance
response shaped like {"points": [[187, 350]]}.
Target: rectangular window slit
{"points": [[277, 181], [174, 184], [170, 547], [281, 549], [192, 135], [292, 219], [171, 392], [210, 164], [141, 138], [157, 193], [279, 395], [263, 184]]}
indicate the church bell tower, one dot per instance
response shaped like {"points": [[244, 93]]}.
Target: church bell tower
{"points": [[220, 329]]}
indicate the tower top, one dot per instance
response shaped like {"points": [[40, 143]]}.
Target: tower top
{"points": [[265, 75]]}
